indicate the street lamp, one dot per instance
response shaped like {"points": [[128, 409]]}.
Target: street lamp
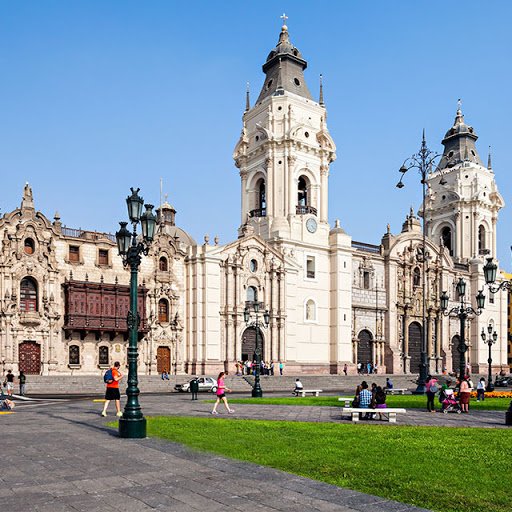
{"points": [[462, 311], [133, 424], [490, 340], [256, 390], [423, 161], [490, 271]]}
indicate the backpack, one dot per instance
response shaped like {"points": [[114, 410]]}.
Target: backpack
{"points": [[108, 378], [433, 388]]}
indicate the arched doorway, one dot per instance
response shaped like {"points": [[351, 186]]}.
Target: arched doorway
{"points": [[415, 332], [163, 359], [29, 355], [365, 347], [455, 354], [249, 344]]}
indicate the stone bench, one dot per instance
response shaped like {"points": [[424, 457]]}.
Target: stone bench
{"points": [[388, 411], [303, 392], [348, 400], [395, 391]]}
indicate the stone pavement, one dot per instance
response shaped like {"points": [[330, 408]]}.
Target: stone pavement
{"points": [[59, 456]]}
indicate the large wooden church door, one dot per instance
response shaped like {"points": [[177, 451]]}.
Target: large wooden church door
{"points": [[415, 341], [29, 353], [249, 344], [163, 359]]}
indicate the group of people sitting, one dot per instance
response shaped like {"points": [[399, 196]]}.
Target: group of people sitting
{"points": [[373, 398]]}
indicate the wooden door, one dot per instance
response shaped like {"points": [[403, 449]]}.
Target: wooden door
{"points": [[365, 349], [415, 343], [29, 353], [163, 359]]}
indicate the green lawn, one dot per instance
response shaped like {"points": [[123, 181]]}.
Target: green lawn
{"points": [[406, 401], [443, 469]]}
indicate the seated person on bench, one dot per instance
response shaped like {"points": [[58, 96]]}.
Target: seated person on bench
{"points": [[298, 387], [365, 398]]}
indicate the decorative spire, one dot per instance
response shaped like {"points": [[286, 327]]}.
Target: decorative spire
{"points": [[247, 99], [489, 163], [459, 117], [321, 99]]}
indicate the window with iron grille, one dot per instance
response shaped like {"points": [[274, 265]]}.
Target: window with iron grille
{"points": [[163, 311], [28, 295], [74, 354], [103, 356]]}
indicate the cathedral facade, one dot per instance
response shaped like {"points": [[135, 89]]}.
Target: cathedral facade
{"points": [[331, 301]]}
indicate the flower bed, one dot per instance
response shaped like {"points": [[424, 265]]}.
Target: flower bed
{"points": [[494, 394]]}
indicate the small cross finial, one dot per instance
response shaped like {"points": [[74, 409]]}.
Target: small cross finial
{"points": [[284, 18]]}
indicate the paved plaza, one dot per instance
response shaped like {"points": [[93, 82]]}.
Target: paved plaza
{"points": [[59, 456]]}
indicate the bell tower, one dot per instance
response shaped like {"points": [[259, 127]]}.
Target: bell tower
{"points": [[284, 153], [463, 200]]}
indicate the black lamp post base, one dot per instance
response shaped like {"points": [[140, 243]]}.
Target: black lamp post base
{"points": [[257, 392], [420, 390], [132, 429]]}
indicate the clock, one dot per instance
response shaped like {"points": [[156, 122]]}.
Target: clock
{"points": [[311, 225]]}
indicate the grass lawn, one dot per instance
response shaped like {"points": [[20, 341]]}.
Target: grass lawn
{"points": [[443, 469], [406, 401]]}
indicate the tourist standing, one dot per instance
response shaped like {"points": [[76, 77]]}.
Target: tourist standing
{"points": [[281, 368], [480, 390], [345, 369], [23, 379], [221, 394], [194, 387], [464, 393], [112, 391], [432, 388]]}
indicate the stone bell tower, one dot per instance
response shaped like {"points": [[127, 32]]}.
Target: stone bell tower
{"points": [[463, 202], [284, 153]]}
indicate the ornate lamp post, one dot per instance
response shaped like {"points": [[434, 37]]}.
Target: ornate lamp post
{"points": [[256, 390], [133, 424], [490, 271], [462, 311], [423, 161], [491, 340]]}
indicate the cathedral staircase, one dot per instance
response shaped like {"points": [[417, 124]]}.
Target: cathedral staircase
{"points": [[92, 385]]}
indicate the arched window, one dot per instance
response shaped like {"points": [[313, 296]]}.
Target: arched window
{"points": [[262, 195], [302, 198], [163, 311], [29, 246], [310, 310], [446, 237], [74, 354], [162, 264], [28, 295], [252, 294], [103, 356], [481, 239], [416, 277]]}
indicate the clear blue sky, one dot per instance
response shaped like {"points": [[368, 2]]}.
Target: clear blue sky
{"points": [[98, 96]]}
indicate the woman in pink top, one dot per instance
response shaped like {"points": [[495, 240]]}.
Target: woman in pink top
{"points": [[464, 393], [221, 394]]}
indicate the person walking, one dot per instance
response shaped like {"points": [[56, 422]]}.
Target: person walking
{"points": [[112, 380], [194, 387], [464, 394], [221, 394], [432, 388], [345, 369], [23, 379], [281, 368], [9, 382], [480, 390]]}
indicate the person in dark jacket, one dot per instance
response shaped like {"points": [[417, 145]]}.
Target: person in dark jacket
{"points": [[194, 388]]}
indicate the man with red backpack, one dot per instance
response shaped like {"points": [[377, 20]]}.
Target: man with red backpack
{"points": [[111, 379]]}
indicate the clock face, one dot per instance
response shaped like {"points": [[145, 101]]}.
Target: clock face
{"points": [[311, 225]]}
